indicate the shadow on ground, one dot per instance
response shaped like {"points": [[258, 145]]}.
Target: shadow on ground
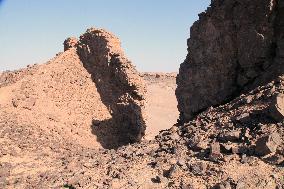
{"points": [[123, 127], [106, 134]]}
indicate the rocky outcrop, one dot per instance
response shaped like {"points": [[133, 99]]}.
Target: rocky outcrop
{"points": [[118, 82], [46, 114], [276, 108], [70, 42], [234, 46], [89, 94]]}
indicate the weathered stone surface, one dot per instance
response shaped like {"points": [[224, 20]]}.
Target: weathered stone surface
{"points": [[70, 42], [215, 151], [230, 136], [198, 168], [235, 45], [122, 89], [267, 144], [276, 109]]}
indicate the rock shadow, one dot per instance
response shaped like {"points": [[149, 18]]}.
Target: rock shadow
{"points": [[106, 134], [125, 125], [119, 85]]}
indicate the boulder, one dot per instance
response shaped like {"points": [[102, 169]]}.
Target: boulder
{"points": [[276, 109], [230, 136], [267, 144]]}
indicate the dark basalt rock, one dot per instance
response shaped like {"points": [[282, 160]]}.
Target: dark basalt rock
{"points": [[233, 47]]}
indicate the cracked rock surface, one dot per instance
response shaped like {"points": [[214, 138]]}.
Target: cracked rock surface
{"points": [[233, 47]]}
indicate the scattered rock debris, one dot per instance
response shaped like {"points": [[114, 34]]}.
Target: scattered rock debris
{"points": [[230, 135]]}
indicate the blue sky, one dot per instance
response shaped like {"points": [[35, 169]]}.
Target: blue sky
{"points": [[153, 32]]}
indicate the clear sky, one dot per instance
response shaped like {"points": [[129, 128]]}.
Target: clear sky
{"points": [[153, 32]]}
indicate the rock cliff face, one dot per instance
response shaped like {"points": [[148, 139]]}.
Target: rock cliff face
{"points": [[118, 82], [234, 46]]}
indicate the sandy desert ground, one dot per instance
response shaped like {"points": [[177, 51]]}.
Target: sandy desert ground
{"points": [[162, 103]]}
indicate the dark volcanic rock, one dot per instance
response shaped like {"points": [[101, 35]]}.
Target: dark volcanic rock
{"points": [[234, 46]]}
